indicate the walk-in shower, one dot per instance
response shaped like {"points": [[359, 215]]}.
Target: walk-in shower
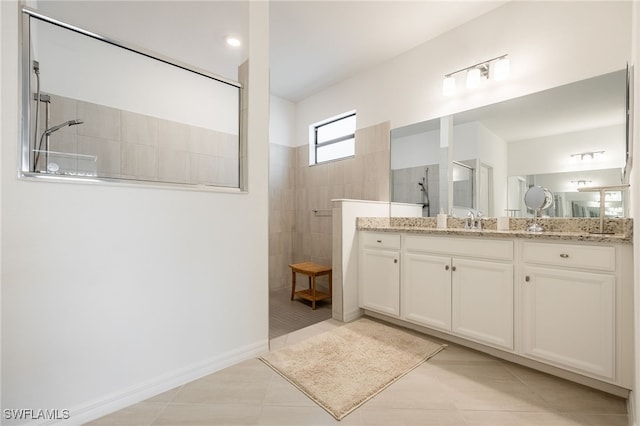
{"points": [[37, 143], [47, 149], [424, 190], [76, 74]]}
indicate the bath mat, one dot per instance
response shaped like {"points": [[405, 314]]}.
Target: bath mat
{"points": [[343, 368]]}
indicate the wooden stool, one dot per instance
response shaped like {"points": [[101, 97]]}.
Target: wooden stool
{"points": [[312, 270]]}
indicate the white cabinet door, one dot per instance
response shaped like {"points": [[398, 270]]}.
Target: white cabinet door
{"points": [[426, 288], [569, 319], [380, 281], [482, 301]]}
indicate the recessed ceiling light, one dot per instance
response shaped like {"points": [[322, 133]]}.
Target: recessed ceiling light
{"points": [[233, 41]]}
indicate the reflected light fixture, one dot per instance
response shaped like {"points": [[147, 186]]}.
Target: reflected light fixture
{"points": [[581, 182], [587, 156], [498, 67]]}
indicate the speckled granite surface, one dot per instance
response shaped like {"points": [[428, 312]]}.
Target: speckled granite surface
{"points": [[571, 229]]}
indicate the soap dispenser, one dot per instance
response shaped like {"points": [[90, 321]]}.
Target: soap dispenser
{"points": [[442, 220]]}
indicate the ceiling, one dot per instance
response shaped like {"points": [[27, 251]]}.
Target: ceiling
{"points": [[313, 44]]}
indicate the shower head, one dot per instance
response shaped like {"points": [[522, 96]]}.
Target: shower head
{"points": [[47, 133], [60, 126]]}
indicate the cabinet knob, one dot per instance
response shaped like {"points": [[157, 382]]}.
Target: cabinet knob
{"points": [[395, 260], [378, 241], [527, 278], [446, 267], [564, 255], [453, 268]]}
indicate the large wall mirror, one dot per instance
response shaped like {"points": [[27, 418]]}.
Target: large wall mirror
{"points": [[485, 159], [94, 108]]}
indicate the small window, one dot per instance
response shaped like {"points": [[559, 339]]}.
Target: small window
{"points": [[333, 139]]}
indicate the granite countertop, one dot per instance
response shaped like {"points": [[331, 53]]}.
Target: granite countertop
{"points": [[577, 229]]}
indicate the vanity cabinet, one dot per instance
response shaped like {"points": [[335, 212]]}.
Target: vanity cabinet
{"points": [[427, 290], [569, 300], [460, 286], [482, 302], [561, 306], [379, 268]]}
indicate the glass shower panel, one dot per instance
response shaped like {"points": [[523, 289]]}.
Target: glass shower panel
{"points": [[463, 184]]}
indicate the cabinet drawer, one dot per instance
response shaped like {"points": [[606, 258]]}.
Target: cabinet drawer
{"points": [[380, 240], [600, 258], [474, 247]]}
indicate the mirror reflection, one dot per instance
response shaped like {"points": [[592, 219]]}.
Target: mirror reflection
{"points": [[537, 199], [485, 159], [98, 109]]}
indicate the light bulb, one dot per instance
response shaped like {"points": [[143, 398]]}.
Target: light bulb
{"points": [[473, 78], [501, 69], [449, 86], [233, 41]]}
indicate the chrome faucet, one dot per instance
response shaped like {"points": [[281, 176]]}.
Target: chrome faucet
{"points": [[473, 221]]}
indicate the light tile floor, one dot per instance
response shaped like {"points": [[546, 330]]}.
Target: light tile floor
{"points": [[458, 387]]}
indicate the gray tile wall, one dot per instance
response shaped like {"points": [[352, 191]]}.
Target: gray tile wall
{"points": [[127, 145], [406, 189], [298, 234], [282, 208]]}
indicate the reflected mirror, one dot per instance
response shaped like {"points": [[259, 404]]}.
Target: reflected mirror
{"points": [[537, 199], [562, 138], [95, 108]]}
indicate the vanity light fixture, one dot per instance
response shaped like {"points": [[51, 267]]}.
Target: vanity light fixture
{"points": [[501, 69], [476, 75], [587, 156], [496, 68], [449, 85]]}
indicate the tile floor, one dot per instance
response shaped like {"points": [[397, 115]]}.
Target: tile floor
{"points": [[286, 315], [458, 387]]}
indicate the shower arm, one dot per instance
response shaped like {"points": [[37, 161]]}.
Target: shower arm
{"points": [[48, 132]]}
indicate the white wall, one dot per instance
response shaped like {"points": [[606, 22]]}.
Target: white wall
{"points": [[2, 84], [492, 151], [346, 305], [113, 293], [282, 115], [635, 206], [412, 150], [549, 44], [83, 68]]}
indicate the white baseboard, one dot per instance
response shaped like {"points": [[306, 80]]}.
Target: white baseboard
{"points": [[632, 409], [352, 315], [99, 407]]}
